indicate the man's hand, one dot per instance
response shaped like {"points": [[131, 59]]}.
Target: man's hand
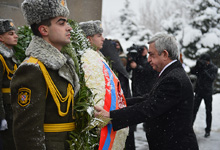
{"points": [[100, 112]]}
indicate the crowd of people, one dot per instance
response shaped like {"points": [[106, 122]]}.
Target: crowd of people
{"points": [[37, 96]]}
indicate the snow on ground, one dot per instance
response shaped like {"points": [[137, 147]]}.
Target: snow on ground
{"points": [[210, 143], [140, 138], [213, 142]]}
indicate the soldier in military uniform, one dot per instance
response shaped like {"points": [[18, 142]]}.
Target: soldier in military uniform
{"points": [[8, 39], [44, 85], [108, 92]]}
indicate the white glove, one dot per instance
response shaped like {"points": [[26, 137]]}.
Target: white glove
{"points": [[4, 125]]}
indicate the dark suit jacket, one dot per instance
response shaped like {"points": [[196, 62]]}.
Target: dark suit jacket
{"points": [[167, 110]]}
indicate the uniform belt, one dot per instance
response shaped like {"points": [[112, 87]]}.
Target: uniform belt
{"points": [[6, 90], [60, 127]]}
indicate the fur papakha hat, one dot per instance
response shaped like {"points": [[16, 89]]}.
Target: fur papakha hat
{"points": [[91, 27], [6, 25], [36, 11]]}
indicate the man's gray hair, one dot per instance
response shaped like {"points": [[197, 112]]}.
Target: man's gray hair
{"points": [[165, 42]]}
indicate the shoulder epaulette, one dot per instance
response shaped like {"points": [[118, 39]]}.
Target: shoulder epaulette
{"points": [[6, 67], [31, 60], [53, 89]]}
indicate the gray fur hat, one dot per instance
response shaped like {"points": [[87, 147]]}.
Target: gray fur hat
{"points": [[6, 25], [91, 27], [36, 11]]}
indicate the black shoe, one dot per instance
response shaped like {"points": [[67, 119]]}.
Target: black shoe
{"points": [[207, 134]]}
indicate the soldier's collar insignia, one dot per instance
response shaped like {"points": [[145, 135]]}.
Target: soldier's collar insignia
{"points": [[24, 96]]}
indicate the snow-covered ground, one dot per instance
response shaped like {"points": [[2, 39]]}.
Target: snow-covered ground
{"points": [[210, 143]]}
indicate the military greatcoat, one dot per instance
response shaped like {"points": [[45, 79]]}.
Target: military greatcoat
{"points": [[40, 121], [7, 63]]}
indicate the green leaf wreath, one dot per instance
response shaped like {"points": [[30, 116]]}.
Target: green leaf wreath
{"points": [[86, 134], [24, 38]]}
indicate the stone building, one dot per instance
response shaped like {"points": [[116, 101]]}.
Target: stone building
{"points": [[80, 10]]}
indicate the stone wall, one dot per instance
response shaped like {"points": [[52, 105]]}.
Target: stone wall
{"points": [[80, 10]]}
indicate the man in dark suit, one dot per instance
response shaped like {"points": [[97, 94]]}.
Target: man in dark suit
{"points": [[168, 108]]}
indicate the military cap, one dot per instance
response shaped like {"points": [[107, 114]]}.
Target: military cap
{"points": [[36, 11], [6, 25], [91, 27]]}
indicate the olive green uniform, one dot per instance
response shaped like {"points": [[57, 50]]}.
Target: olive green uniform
{"points": [[32, 102], [7, 60]]}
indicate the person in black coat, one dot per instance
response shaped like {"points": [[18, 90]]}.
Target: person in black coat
{"points": [[143, 75], [110, 52], [168, 108], [206, 73]]}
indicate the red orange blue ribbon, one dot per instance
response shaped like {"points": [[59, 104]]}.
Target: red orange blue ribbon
{"points": [[112, 97]]}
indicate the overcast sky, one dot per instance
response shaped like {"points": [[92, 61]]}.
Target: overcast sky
{"points": [[111, 8]]}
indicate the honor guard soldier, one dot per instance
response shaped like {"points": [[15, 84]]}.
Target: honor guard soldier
{"points": [[109, 94], [8, 39], [44, 85]]}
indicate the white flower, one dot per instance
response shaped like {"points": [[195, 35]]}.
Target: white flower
{"points": [[94, 77]]}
